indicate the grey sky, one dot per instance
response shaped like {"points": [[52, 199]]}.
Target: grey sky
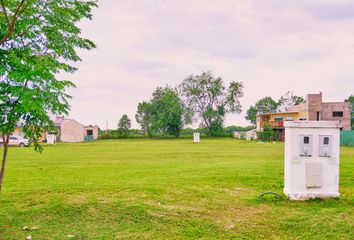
{"points": [[271, 46]]}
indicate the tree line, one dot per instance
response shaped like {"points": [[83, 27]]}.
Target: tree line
{"points": [[203, 99]]}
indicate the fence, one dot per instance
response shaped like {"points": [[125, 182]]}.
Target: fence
{"points": [[347, 138], [269, 136]]}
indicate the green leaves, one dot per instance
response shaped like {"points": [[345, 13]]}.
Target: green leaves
{"points": [[163, 114], [124, 125], [43, 42], [208, 99]]}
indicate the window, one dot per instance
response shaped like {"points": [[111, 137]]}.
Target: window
{"points": [[337, 114], [326, 140], [277, 119], [303, 119], [306, 140], [289, 118], [89, 132], [13, 138]]}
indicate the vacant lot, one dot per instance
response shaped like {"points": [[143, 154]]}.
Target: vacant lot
{"points": [[164, 189]]}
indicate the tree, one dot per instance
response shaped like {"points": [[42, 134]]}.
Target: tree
{"points": [[350, 99], [209, 100], [263, 105], [38, 39], [168, 111], [269, 105], [163, 114], [288, 100], [251, 114], [143, 117], [124, 125]]}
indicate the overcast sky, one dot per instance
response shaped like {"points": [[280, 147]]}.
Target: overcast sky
{"points": [[271, 46]]}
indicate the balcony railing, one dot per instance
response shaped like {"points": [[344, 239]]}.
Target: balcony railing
{"points": [[276, 124]]}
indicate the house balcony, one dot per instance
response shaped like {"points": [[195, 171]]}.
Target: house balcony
{"points": [[276, 124]]}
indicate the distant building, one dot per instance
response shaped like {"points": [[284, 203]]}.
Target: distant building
{"points": [[19, 132], [70, 130], [314, 109]]}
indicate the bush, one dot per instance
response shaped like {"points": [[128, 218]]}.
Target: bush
{"points": [[268, 136], [105, 136]]}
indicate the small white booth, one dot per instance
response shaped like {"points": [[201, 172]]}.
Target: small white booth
{"points": [[311, 167], [196, 137], [50, 138]]}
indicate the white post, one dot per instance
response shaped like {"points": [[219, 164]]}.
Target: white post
{"points": [[196, 137], [50, 138]]}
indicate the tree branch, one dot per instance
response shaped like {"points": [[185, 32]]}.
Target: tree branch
{"points": [[11, 29], [5, 12]]}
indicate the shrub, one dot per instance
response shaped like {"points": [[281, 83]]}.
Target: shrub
{"points": [[268, 136]]}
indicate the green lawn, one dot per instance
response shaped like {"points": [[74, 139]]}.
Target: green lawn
{"points": [[165, 189]]}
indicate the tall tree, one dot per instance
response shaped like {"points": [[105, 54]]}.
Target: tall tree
{"points": [[209, 100], [163, 114], [168, 111], [263, 105], [143, 117], [124, 125], [38, 39], [251, 114], [288, 100]]}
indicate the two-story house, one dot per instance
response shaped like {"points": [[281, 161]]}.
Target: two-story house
{"points": [[314, 109]]}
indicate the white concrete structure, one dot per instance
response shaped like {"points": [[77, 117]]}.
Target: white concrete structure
{"points": [[311, 168], [70, 130], [50, 138], [251, 134], [196, 137]]}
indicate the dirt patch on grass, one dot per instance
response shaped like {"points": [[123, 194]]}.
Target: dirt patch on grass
{"points": [[232, 215], [77, 200]]}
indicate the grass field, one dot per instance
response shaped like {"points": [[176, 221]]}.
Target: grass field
{"points": [[165, 189]]}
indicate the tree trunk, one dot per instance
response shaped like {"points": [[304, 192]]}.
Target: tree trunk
{"points": [[4, 156]]}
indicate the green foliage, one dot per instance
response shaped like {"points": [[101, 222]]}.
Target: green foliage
{"points": [[233, 128], [268, 136], [288, 100], [124, 125], [38, 40], [269, 105], [207, 98], [263, 105], [164, 114], [105, 136], [251, 114], [143, 116], [350, 99], [267, 128]]}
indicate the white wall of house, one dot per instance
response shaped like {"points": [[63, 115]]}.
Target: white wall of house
{"points": [[72, 131]]}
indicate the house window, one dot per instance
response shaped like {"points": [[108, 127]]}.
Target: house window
{"points": [[278, 119], [89, 132], [289, 119], [337, 114], [303, 119]]}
